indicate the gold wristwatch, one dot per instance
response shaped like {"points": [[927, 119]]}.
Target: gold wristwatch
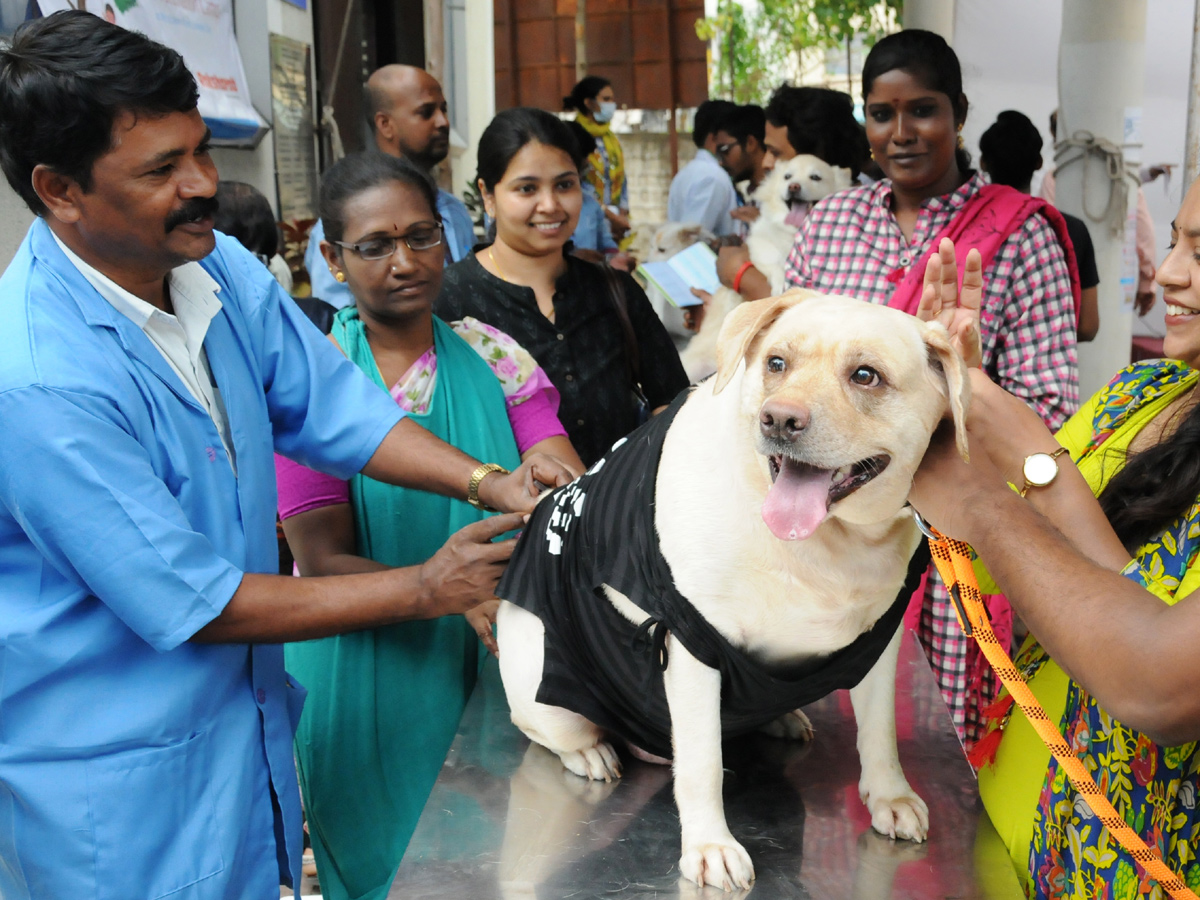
{"points": [[476, 478], [1040, 469]]}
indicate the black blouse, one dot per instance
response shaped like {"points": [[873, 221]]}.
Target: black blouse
{"points": [[582, 351]]}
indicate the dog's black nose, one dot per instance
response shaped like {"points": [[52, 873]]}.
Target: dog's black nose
{"points": [[780, 420]]}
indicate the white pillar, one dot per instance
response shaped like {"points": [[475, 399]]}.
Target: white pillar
{"points": [[480, 80], [1101, 67], [931, 15], [1191, 155]]}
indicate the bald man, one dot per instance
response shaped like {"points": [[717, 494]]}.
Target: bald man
{"points": [[406, 110]]}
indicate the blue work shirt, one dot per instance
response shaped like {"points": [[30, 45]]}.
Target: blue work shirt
{"points": [[133, 763], [459, 239], [593, 231]]}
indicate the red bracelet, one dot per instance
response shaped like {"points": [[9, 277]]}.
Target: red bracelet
{"points": [[737, 278]]}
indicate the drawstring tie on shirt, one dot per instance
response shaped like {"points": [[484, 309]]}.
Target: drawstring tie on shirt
{"points": [[650, 638]]}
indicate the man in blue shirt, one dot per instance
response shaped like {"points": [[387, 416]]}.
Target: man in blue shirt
{"points": [[407, 113], [702, 193], [148, 371]]}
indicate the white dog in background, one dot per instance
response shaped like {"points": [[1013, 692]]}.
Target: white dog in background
{"points": [[668, 240], [784, 199], [779, 507]]}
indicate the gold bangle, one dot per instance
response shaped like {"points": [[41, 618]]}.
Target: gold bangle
{"points": [[476, 479]]}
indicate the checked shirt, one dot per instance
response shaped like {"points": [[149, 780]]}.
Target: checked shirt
{"points": [[851, 244]]}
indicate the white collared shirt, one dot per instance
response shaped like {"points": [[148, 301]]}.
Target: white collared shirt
{"points": [[180, 337]]}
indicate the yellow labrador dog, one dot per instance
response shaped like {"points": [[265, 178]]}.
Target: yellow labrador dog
{"points": [[707, 576]]}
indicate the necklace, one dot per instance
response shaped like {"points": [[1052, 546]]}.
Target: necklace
{"points": [[496, 265]]}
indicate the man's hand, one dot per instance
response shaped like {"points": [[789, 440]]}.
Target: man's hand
{"points": [[464, 572], [518, 491], [623, 261], [942, 302], [693, 316], [481, 619], [748, 213], [729, 260], [618, 221]]}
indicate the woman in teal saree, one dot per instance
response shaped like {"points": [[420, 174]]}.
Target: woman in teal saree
{"points": [[383, 704]]}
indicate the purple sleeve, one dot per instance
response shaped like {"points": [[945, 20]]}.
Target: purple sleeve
{"points": [[533, 411], [303, 490]]}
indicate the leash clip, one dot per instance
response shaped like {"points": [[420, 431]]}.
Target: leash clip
{"points": [[925, 527]]}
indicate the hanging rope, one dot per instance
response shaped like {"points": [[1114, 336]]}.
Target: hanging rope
{"points": [[1080, 148], [328, 123]]}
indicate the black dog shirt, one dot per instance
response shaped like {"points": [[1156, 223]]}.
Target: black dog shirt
{"points": [[600, 530]]}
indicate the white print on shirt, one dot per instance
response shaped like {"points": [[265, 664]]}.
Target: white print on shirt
{"points": [[568, 506]]}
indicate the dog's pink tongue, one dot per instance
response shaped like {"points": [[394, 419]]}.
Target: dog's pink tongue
{"points": [[798, 501], [798, 213]]}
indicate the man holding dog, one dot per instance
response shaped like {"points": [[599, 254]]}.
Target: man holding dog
{"points": [[148, 370]]}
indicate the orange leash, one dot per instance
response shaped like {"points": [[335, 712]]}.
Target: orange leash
{"points": [[953, 561]]}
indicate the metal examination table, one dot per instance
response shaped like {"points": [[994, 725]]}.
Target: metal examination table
{"points": [[505, 820]]}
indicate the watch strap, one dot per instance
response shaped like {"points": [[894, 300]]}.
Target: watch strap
{"points": [[476, 479]]}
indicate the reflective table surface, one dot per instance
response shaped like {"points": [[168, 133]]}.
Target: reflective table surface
{"points": [[506, 820]]}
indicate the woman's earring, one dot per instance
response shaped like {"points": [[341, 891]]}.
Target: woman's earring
{"points": [[339, 276], [961, 144]]}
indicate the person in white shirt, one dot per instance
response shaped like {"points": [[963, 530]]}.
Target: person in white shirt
{"points": [[702, 193]]}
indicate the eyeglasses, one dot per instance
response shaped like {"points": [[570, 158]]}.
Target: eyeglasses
{"points": [[424, 237], [723, 149]]}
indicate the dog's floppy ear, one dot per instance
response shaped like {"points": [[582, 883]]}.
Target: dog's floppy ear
{"points": [[952, 371], [743, 324]]}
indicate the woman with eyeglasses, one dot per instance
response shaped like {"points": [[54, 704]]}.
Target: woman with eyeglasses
{"points": [[383, 705]]}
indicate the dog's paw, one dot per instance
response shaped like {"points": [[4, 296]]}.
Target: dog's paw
{"points": [[599, 763], [722, 863], [792, 726], [904, 816]]}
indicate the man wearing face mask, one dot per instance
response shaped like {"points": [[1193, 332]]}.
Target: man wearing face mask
{"points": [[406, 110], [595, 105]]}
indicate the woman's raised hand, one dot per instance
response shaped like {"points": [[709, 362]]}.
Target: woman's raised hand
{"points": [[941, 300]]}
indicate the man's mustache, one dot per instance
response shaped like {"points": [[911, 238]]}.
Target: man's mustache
{"points": [[192, 210]]}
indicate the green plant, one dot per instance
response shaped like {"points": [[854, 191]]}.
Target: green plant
{"points": [[753, 51]]}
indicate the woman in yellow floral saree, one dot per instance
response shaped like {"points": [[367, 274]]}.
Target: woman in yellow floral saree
{"points": [[1054, 840], [1127, 504]]}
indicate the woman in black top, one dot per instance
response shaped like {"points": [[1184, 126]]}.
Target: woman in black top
{"points": [[557, 306]]}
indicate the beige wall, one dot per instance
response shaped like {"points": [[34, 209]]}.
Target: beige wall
{"points": [[15, 219]]}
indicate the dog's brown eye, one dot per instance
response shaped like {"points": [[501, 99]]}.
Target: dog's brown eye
{"points": [[865, 376], [775, 364]]}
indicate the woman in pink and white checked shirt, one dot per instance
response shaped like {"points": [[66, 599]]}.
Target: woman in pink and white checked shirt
{"points": [[862, 242]]}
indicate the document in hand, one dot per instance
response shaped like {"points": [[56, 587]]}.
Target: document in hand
{"points": [[694, 266]]}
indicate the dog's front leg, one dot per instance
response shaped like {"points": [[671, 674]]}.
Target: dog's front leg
{"points": [[895, 809], [710, 854]]}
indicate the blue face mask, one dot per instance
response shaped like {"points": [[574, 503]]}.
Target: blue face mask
{"points": [[607, 109]]}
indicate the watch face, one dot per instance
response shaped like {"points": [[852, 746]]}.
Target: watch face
{"points": [[1040, 469]]}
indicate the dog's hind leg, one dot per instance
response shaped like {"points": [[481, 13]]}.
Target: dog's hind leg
{"points": [[895, 808], [578, 742], [791, 726]]}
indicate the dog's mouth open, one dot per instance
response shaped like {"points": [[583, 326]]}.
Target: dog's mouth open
{"points": [[801, 494], [797, 211]]}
